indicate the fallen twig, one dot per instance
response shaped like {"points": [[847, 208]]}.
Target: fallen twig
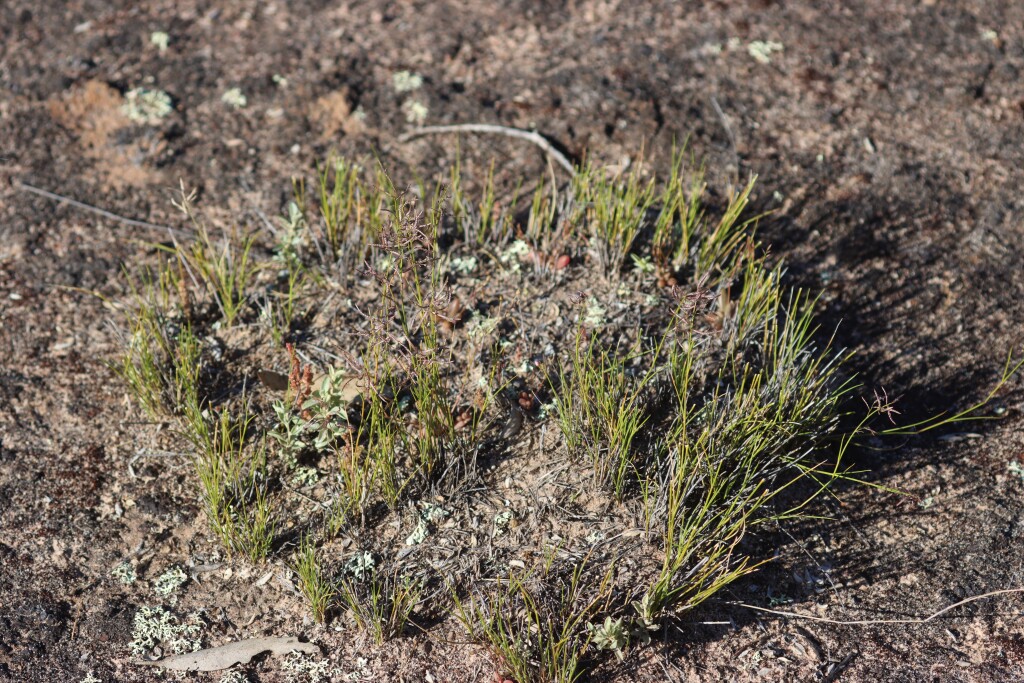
{"points": [[865, 622], [96, 210], [528, 135]]}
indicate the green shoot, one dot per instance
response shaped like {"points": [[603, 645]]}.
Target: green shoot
{"points": [[313, 583]]}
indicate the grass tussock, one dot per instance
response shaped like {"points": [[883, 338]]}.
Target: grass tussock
{"points": [[537, 622], [664, 371]]}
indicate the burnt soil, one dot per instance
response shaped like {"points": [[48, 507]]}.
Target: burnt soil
{"points": [[887, 138]]}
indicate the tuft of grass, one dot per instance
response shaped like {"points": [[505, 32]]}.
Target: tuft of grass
{"points": [[616, 213], [159, 347], [601, 408], [367, 461], [406, 347], [234, 484], [351, 211], [613, 210], [380, 603], [684, 240], [224, 271], [487, 223], [142, 366], [338, 186], [189, 400], [318, 590], [744, 430], [537, 622]]}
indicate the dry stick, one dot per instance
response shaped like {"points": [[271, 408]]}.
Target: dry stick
{"points": [[865, 622], [95, 209], [528, 135]]}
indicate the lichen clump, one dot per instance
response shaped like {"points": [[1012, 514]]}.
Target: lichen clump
{"points": [[156, 626], [147, 106]]}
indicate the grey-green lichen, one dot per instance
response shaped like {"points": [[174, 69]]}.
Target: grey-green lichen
{"points": [[156, 626], [170, 581], [146, 106]]}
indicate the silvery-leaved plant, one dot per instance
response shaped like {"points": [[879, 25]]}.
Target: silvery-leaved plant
{"points": [[361, 565], [328, 409], [288, 433], [646, 621], [613, 635]]}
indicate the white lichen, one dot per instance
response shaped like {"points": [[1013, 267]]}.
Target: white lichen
{"points": [[464, 265], [125, 573], [480, 327], [170, 581], [146, 106], [433, 513], [419, 534], [406, 81], [233, 676], [160, 39], [515, 252], [234, 98], [761, 50], [305, 476], [415, 112], [502, 520], [594, 315], [156, 626], [429, 514], [301, 667]]}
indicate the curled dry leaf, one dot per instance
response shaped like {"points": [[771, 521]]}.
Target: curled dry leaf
{"points": [[226, 656], [451, 317], [350, 386], [275, 381]]}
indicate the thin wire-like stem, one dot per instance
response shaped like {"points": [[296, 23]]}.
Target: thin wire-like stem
{"points": [[98, 211], [528, 135], [868, 622]]}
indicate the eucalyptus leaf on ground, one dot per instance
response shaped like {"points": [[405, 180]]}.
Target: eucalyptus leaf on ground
{"points": [[226, 656]]}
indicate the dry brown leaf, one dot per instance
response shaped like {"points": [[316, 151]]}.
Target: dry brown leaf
{"points": [[350, 386], [275, 381]]}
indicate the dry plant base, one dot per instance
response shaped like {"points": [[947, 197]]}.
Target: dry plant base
{"points": [[560, 419]]}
